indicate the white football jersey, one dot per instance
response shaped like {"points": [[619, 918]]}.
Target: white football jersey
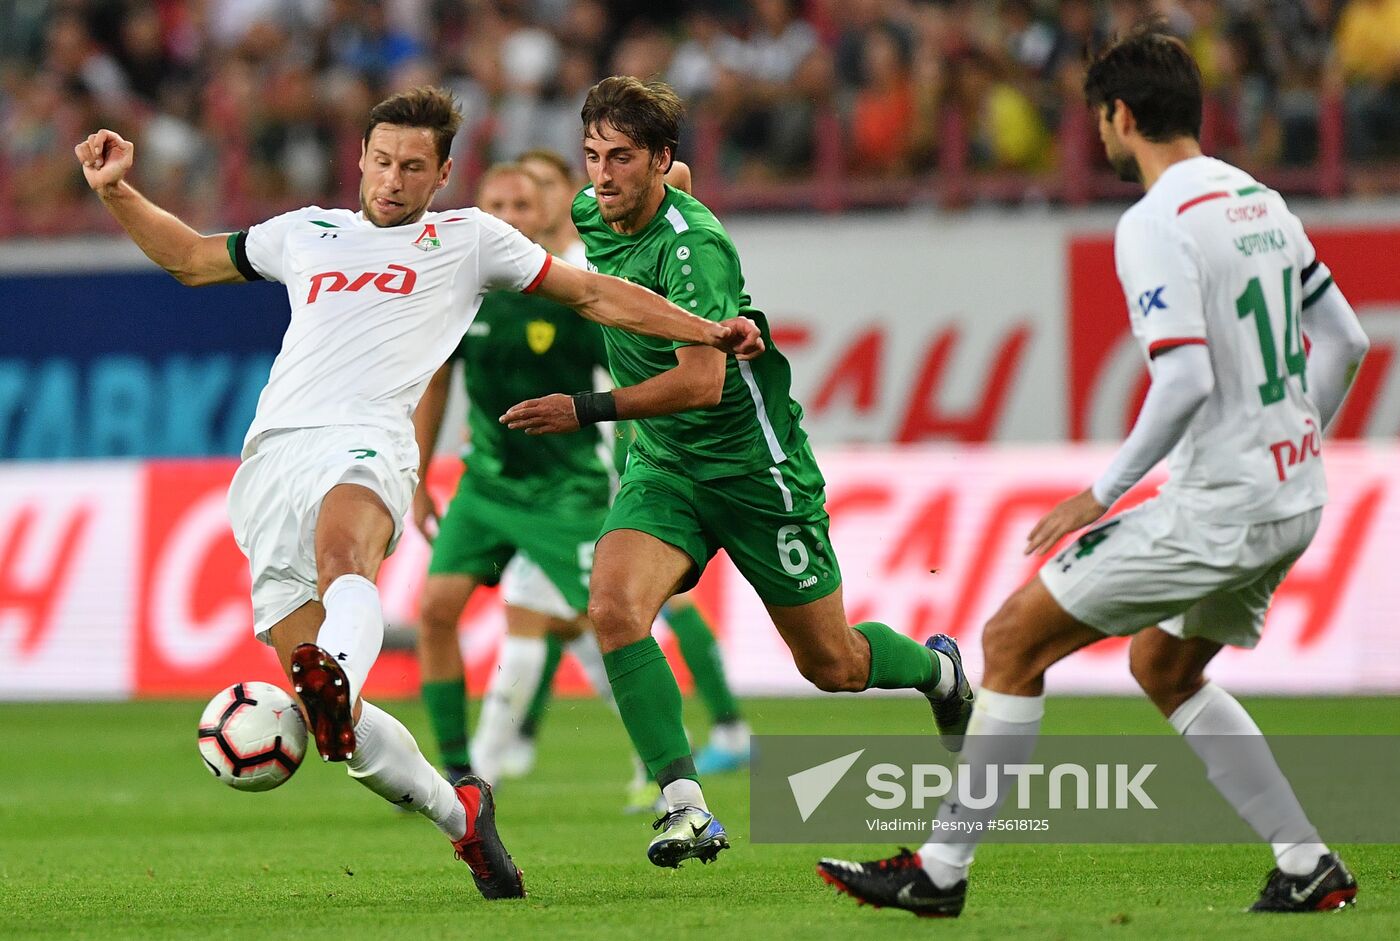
{"points": [[1211, 256], [375, 311]]}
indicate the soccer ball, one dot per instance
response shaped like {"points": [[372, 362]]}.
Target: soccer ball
{"points": [[252, 736]]}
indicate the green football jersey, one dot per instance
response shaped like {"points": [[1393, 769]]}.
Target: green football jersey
{"points": [[524, 347], [685, 255]]}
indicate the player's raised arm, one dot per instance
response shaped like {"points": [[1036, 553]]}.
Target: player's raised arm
{"points": [[191, 258], [617, 303]]}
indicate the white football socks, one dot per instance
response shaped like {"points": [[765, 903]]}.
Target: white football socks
{"points": [[1002, 732], [947, 676], [684, 792], [584, 647], [732, 736], [512, 687], [1242, 768], [388, 762], [353, 631]]}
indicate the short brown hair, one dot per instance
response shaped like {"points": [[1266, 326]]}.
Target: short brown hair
{"points": [[1153, 73], [649, 113], [504, 169], [425, 106], [551, 157]]}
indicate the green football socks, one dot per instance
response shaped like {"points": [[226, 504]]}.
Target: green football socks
{"points": [[897, 661], [650, 703], [702, 657], [446, 701]]}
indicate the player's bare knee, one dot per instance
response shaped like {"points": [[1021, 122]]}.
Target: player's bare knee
{"points": [[1167, 682], [438, 613], [1005, 639], [833, 673], [335, 561], [617, 620]]}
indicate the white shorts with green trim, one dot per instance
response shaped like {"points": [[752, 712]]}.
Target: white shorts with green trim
{"points": [[275, 498], [1162, 564]]}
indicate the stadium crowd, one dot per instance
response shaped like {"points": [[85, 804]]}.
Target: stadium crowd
{"points": [[261, 102]]}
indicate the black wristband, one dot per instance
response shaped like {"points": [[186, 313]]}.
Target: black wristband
{"points": [[593, 407]]}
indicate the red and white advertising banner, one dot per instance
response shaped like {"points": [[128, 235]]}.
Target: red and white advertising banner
{"points": [[1008, 328], [122, 579]]}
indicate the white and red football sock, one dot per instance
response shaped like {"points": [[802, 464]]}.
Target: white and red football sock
{"points": [[388, 762], [1242, 768]]}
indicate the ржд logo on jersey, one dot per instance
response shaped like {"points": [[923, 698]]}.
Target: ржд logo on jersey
{"points": [[397, 280]]}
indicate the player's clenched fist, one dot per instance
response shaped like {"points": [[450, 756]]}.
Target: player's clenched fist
{"points": [[105, 156], [741, 337]]}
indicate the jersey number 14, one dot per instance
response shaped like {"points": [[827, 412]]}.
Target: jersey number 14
{"points": [[1252, 303]]}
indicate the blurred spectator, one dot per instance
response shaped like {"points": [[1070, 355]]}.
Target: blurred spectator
{"points": [[882, 118], [291, 141], [1028, 42], [361, 39], [245, 107], [694, 69], [769, 87], [1004, 127], [1368, 52], [80, 64], [1080, 33], [1300, 40], [1249, 94]]}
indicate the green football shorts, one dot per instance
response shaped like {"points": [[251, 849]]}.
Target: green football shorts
{"points": [[479, 533], [772, 522]]}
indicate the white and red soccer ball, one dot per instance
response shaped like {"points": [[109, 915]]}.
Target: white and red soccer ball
{"points": [[252, 736]]}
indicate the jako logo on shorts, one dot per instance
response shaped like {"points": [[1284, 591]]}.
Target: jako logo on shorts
{"points": [[397, 280]]}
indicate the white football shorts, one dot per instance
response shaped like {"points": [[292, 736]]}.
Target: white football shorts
{"points": [[276, 495], [525, 585], [1162, 564]]}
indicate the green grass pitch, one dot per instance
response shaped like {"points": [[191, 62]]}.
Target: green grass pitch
{"points": [[110, 828]]}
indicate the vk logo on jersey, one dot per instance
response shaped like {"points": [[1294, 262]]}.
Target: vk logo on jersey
{"points": [[1148, 301], [399, 279]]}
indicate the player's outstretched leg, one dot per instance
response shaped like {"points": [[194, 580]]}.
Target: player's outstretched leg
{"points": [[1028, 634], [897, 882], [1238, 760], [728, 745], [389, 763], [836, 656]]}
